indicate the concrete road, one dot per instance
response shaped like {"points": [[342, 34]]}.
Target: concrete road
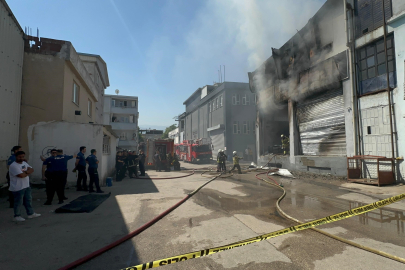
{"points": [[225, 211]]}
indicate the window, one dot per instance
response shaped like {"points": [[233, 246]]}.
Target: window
{"points": [[245, 127], [254, 126], [123, 136], [112, 103], [369, 15], [89, 107], [209, 106], [76, 93], [213, 105], [245, 100], [217, 103], [236, 99], [372, 68], [220, 101], [133, 104], [236, 128], [106, 145]]}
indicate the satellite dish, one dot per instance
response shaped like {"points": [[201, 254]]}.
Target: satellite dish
{"points": [[117, 91]]}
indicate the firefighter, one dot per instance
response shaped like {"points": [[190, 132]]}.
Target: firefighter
{"points": [[224, 158], [119, 164], [133, 160], [236, 163], [176, 163], [285, 144], [219, 167], [142, 159], [158, 161], [169, 161]]}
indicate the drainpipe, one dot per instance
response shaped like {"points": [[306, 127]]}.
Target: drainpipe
{"points": [[388, 89], [356, 111]]}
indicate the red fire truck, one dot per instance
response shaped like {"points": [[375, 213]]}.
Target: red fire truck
{"points": [[164, 146], [194, 151]]}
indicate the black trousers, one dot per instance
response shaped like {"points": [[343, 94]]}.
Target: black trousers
{"points": [[158, 166], [142, 168], [237, 166], [133, 170], [93, 173], [10, 193], [122, 172], [55, 183], [81, 178]]}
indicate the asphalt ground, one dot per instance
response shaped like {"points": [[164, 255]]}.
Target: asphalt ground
{"points": [[226, 210]]}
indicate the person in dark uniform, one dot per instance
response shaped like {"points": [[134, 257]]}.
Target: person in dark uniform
{"points": [[58, 170], [10, 161], [158, 161], [132, 164], [93, 171], [176, 163], [169, 161], [119, 164], [81, 168], [125, 168], [224, 157], [142, 159], [47, 177]]}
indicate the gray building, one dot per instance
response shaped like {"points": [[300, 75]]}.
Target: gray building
{"points": [[224, 113], [11, 63], [326, 88]]}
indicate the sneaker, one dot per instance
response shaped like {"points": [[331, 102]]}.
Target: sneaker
{"points": [[100, 191], [19, 218], [34, 215], [48, 203]]}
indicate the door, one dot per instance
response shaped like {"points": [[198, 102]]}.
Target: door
{"points": [[218, 142], [321, 124]]}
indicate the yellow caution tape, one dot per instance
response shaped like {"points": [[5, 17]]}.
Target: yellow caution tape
{"points": [[304, 226]]}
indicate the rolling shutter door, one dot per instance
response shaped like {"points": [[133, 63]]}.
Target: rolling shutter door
{"points": [[217, 140], [321, 124]]}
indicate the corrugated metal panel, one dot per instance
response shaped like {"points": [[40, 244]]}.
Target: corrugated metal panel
{"points": [[218, 141], [11, 61], [370, 15], [321, 123]]}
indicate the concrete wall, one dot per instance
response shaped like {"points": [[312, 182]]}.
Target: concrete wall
{"points": [[42, 92], [67, 136], [108, 160], [11, 63]]}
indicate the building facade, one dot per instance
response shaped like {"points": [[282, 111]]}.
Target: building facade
{"points": [[329, 84], [121, 112], [60, 103], [223, 113], [11, 63], [174, 134]]}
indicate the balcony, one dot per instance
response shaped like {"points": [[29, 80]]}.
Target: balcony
{"points": [[124, 110], [123, 126]]}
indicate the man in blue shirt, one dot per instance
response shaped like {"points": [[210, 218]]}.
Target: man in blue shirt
{"points": [[58, 171], [93, 173], [81, 168], [10, 161], [47, 177]]}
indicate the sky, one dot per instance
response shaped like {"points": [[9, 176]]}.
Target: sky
{"points": [[163, 50]]}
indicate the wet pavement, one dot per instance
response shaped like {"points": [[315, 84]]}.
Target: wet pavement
{"points": [[225, 211]]}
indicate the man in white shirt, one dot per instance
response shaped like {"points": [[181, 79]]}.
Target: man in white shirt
{"points": [[20, 186]]}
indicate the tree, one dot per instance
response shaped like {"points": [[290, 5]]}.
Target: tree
{"points": [[168, 129], [140, 137]]}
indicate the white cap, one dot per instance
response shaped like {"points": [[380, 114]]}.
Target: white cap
{"points": [[234, 152], [219, 150]]}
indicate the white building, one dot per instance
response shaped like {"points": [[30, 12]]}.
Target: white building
{"points": [[11, 62], [121, 113], [175, 135]]}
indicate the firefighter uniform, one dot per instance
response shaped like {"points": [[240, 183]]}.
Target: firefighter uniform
{"points": [[285, 144], [236, 163]]}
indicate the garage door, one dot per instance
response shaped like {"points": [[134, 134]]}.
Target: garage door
{"points": [[321, 124], [217, 140]]}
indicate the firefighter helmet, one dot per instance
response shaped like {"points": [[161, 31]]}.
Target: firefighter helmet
{"points": [[219, 150], [234, 152]]}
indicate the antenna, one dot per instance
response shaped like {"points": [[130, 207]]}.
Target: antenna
{"points": [[224, 73], [220, 70], [117, 91]]}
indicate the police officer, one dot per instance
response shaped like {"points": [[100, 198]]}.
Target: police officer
{"points": [[47, 177], [80, 166], [142, 159], [93, 171], [58, 167], [236, 163], [10, 161]]}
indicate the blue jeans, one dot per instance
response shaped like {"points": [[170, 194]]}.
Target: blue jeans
{"points": [[22, 197]]}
